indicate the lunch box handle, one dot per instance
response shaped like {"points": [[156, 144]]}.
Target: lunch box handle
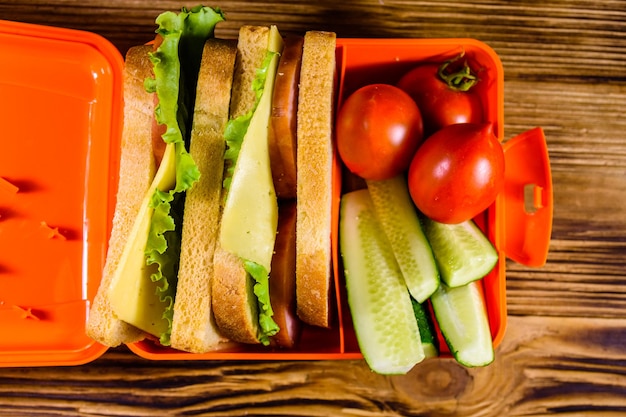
{"points": [[528, 198]]}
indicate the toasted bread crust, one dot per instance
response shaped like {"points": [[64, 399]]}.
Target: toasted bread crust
{"points": [[137, 169], [314, 178], [252, 45], [193, 325], [236, 311]]}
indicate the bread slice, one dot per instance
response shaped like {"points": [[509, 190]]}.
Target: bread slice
{"points": [[137, 169], [314, 178], [236, 313], [193, 325], [252, 47]]}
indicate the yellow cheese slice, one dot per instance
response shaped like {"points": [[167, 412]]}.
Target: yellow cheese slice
{"points": [[250, 216], [132, 294]]}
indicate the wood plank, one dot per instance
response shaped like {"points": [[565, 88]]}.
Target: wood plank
{"points": [[544, 365], [584, 132], [564, 349], [587, 263], [538, 36]]}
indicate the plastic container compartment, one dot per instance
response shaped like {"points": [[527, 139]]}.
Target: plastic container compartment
{"points": [[519, 223], [62, 101], [60, 108]]}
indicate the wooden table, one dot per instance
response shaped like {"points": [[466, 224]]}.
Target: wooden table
{"points": [[564, 351]]}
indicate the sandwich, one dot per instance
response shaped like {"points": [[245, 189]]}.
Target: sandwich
{"points": [[136, 293], [212, 194]]}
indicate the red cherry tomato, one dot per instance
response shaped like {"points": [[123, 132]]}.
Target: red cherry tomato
{"points": [[444, 96], [457, 172], [379, 127]]}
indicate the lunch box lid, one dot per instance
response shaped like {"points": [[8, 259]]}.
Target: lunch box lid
{"points": [[60, 109]]}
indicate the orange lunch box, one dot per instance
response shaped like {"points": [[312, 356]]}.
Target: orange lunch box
{"points": [[61, 108]]}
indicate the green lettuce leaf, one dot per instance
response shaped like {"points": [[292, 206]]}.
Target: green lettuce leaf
{"points": [[268, 326], [163, 240], [176, 63]]}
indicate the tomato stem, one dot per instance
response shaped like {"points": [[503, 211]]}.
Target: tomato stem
{"points": [[461, 79]]}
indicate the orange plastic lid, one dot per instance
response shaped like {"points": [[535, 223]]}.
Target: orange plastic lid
{"points": [[60, 115], [528, 198]]}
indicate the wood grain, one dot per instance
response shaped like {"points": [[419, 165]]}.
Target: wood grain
{"points": [[567, 366], [564, 352]]}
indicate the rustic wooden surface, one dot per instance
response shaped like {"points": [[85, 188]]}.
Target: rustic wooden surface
{"points": [[564, 352]]}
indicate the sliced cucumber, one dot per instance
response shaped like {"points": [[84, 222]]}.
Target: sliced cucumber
{"points": [[430, 342], [379, 302], [462, 319], [398, 218], [462, 252]]}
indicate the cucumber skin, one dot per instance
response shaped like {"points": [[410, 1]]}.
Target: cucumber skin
{"points": [[460, 262], [428, 334], [373, 276], [469, 336], [399, 220]]}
